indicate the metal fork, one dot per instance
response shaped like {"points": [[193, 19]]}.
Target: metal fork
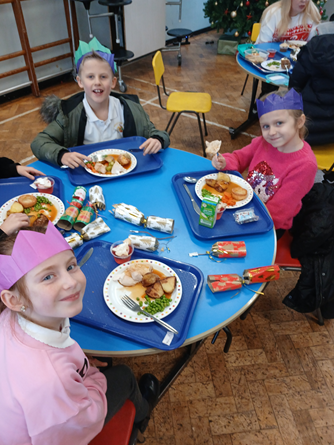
{"points": [[135, 307]]}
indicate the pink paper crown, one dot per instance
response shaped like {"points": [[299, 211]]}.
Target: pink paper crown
{"points": [[291, 101], [30, 249]]}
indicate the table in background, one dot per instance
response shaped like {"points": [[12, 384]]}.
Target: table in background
{"points": [[153, 194], [257, 75]]}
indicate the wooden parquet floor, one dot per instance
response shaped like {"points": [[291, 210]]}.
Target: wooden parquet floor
{"points": [[276, 385]]}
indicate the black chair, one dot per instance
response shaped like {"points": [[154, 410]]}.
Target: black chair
{"points": [[179, 34], [120, 53]]}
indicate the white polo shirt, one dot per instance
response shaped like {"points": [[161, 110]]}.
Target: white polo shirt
{"points": [[99, 131]]}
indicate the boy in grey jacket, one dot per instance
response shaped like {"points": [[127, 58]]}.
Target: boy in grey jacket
{"points": [[95, 115]]}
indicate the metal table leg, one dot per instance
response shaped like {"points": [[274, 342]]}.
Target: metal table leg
{"points": [[180, 365], [252, 116]]}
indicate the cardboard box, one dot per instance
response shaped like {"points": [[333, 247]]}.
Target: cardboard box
{"points": [[227, 44], [208, 214]]}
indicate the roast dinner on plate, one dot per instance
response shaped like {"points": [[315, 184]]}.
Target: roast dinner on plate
{"points": [[229, 192], [39, 209]]}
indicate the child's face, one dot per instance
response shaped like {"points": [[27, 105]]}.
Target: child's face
{"points": [[55, 288], [97, 79], [280, 129], [298, 6]]}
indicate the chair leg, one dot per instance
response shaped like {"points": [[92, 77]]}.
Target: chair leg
{"points": [[170, 120], [201, 133], [174, 123], [243, 88], [206, 131], [319, 315]]}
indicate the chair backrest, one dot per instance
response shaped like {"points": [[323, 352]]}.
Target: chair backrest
{"points": [[255, 31], [158, 67], [283, 255]]}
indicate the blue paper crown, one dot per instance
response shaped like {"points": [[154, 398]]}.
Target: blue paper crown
{"points": [[94, 45], [291, 101]]}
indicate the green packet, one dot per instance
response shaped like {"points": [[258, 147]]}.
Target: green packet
{"points": [[208, 213]]}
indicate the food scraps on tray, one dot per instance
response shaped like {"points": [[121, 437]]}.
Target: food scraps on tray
{"points": [[39, 209]]}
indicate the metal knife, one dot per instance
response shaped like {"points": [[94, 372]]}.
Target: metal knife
{"points": [[194, 203], [86, 257]]}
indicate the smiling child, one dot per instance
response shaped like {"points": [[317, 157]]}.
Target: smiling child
{"points": [[96, 115], [281, 165]]}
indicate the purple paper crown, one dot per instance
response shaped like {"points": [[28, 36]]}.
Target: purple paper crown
{"points": [[108, 57], [291, 101], [30, 249]]}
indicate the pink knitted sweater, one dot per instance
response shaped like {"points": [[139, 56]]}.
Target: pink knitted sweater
{"points": [[281, 180]]}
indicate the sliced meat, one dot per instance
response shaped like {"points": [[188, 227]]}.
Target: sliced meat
{"points": [[211, 182], [100, 168]]}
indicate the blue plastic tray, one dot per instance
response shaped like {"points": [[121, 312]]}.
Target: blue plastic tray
{"points": [[20, 185], [278, 56], [79, 176], [96, 313], [226, 226]]}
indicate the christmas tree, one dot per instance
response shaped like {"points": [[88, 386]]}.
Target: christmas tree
{"points": [[239, 15]]}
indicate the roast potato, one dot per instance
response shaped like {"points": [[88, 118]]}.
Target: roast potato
{"points": [[149, 279]]}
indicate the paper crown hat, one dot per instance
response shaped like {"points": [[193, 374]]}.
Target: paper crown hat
{"points": [[94, 45], [30, 249], [291, 101]]}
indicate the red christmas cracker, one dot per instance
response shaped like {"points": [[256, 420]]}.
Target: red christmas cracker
{"points": [[229, 249], [261, 274], [224, 282]]}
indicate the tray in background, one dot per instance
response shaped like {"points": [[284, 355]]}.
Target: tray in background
{"points": [[226, 226], [95, 312], [20, 185], [79, 176]]}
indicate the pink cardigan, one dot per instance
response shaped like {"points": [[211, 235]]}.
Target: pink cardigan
{"points": [[281, 180], [49, 395]]}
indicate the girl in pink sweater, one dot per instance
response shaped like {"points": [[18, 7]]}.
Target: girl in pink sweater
{"points": [[281, 165], [50, 393]]}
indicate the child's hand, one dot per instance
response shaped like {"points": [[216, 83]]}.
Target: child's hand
{"points": [[219, 162], [95, 363], [73, 159], [14, 222], [27, 171], [151, 146]]}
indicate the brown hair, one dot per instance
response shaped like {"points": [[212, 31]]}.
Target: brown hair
{"points": [[310, 12], [95, 56], [296, 114], [6, 248]]}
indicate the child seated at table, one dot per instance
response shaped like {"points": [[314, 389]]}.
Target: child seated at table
{"points": [[95, 115], [9, 169], [281, 165], [50, 394]]}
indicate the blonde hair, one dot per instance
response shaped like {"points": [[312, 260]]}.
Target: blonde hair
{"points": [[310, 12], [296, 114], [95, 56]]}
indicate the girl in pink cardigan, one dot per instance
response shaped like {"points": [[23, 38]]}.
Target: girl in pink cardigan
{"points": [[281, 165], [50, 391]]}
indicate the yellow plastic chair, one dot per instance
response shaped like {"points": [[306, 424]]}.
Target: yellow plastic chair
{"points": [[325, 156], [255, 34], [181, 102]]}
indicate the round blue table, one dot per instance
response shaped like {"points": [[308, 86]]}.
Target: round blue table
{"points": [[153, 194]]}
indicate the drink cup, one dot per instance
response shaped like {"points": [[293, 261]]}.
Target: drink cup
{"points": [[271, 52], [45, 188], [121, 259]]}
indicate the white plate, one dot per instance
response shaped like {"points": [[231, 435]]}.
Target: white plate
{"points": [[55, 201], [113, 291], [272, 68], [298, 43], [112, 151], [236, 179]]}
